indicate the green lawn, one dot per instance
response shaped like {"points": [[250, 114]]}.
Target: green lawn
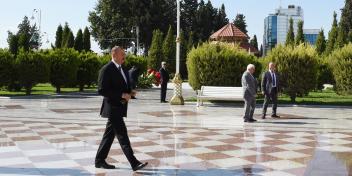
{"points": [[44, 89], [327, 97]]}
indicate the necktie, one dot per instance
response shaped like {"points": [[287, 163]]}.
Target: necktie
{"points": [[274, 79]]}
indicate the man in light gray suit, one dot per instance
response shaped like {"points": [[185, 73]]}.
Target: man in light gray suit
{"points": [[249, 84]]}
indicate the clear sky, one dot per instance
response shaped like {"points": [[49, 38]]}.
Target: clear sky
{"points": [[317, 14]]}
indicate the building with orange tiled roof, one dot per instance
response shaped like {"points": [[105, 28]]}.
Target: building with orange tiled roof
{"points": [[231, 34]]}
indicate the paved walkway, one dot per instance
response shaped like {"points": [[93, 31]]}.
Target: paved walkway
{"points": [[59, 135]]}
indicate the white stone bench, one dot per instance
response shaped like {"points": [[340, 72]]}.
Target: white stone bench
{"points": [[219, 93]]}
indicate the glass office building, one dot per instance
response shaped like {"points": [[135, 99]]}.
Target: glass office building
{"points": [[311, 35], [276, 26]]}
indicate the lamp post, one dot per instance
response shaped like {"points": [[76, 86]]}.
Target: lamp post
{"points": [[137, 37], [177, 98], [39, 12]]}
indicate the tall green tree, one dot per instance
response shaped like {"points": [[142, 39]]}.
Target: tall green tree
{"points": [[190, 42], [169, 49], [221, 18], [320, 45], [349, 40], [78, 45], [189, 9], [183, 54], [300, 36], [12, 40], [333, 33], [23, 41], [86, 39], [346, 16], [155, 53], [28, 37], [114, 19], [290, 37], [65, 35], [70, 42], [240, 23], [341, 38], [205, 17], [58, 37], [254, 42]]}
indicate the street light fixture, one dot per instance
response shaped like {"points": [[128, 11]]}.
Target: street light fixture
{"points": [[177, 98], [39, 13], [137, 37]]}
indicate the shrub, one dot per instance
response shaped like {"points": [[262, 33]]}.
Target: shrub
{"points": [[33, 68], [140, 62], [297, 67], [6, 67], [64, 67], [218, 65], [88, 69], [324, 74], [340, 62]]}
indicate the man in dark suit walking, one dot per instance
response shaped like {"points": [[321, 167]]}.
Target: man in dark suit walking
{"points": [[164, 74], [113, 84], [270, 89]]}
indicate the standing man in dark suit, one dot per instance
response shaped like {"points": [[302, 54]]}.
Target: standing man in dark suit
{"points": [[270, 88], [113, 84], [164, 74], [249, 84]]}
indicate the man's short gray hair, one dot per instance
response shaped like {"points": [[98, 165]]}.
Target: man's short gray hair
{"points": [[115, 48], [163, 63], [250, 66]]}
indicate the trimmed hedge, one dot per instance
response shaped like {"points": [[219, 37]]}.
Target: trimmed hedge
{"points": [[33, 68], [140, 62], [88, 69], [218, 65], [324, 74], [297, 67], [64, 67], [340, 62], [6, 67]]}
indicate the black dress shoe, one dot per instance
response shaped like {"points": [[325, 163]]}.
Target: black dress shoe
{"points": [[252, 120], [164, 102], [275, 116], [104, 165], [263, 117], [139, 166], [133, 97]]}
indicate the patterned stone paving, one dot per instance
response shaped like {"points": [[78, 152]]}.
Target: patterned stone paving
{"points": [[60, 137]]}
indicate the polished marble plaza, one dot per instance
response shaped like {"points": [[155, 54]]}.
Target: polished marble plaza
{"points": [[59, 135]]}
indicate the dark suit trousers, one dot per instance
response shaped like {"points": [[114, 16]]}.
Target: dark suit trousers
{"points": [[163, 92], [272, 97], [116, 127]]}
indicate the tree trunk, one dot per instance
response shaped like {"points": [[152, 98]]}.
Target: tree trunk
{"points": [[58, 89], [28, 90], [293, 98], [81, 88]]}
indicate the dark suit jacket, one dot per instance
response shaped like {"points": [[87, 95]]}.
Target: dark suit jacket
{"points": [[267, 82], [111, 85], [164, 76]]}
